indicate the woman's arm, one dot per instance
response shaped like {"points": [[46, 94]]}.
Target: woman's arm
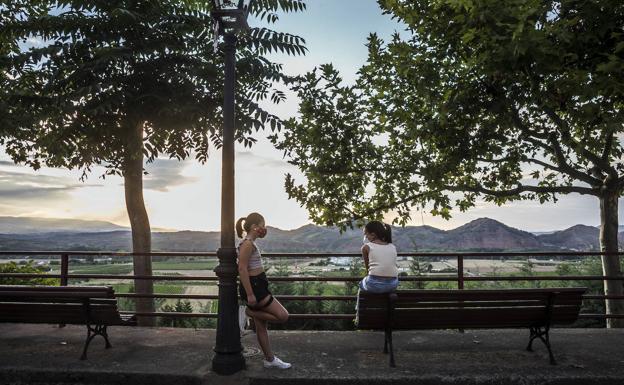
{"points": [[244, 253], [365, 250]]}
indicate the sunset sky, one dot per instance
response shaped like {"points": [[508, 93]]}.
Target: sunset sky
{"points": [[186, 195]]}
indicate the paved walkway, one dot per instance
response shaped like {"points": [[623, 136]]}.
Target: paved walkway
{"points": [[45, 354]]}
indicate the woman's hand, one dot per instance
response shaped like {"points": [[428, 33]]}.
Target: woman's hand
{"points": [[251, 300]]}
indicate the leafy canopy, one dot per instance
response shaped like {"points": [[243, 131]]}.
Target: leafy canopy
{"points": [[474, 99], [95, 70]]}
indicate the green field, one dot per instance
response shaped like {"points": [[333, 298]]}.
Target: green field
{"points": [[193, 265], [101, 269], [158, 288], [126, 268]]}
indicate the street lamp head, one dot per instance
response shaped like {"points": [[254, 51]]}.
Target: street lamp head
{"points": [[231, 15]]}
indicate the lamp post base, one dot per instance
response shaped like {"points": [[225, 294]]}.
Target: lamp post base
{"points": [[228, 363], [228, 350]]}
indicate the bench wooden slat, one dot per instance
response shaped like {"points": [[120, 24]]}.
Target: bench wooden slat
{"points": [[414, 302], [79, 300], [484, 304], [60, 301], [42, 294], [412, 296], [55, 288], [59, 313]]}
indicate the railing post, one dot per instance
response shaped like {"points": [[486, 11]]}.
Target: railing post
{"points": [[460, 272], [64, 269], [460, 276], [64, 273]]}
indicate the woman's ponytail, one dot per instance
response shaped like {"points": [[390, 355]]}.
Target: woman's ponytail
{"points": [[388, 233], [381, 230], [239, 227], [250, 220]]}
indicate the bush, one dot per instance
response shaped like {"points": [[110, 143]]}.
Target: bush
{"points": [[25, 268], [185, 306]]}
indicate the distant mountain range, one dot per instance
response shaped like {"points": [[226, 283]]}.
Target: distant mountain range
{"points": [[482, 234], [26, 225]]}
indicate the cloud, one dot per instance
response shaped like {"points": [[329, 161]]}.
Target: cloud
{"points": [[259, 160], [166, 173], [23, 187]]}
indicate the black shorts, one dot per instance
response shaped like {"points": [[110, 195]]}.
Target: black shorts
{"points": [[259, 285]]}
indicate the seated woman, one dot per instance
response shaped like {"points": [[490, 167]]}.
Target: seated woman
{"points": [[380, 259]]}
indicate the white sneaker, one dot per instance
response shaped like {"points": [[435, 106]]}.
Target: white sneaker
{"points": [[276, 363], [242, 319]]}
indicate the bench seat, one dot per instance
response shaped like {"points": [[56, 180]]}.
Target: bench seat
{"points": [[536, 309], [92, 306]]}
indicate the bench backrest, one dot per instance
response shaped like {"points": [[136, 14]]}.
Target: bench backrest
{"points": [[59, 304], [441, 309]]}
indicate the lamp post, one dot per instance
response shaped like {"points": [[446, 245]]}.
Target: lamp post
{"points": [[229, 17]]}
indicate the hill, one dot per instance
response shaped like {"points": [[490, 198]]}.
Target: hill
{"points": [[482, 234], [27, 225], [579, 237]]}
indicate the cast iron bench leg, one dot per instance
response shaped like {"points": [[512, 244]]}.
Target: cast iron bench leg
{"points": [[386, 342], [542, 334], [104, 333], [389, 342], [91, 333], [532, 336]]}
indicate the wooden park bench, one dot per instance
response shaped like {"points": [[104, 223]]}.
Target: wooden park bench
{"points": [[536, 309], [92, 306]]}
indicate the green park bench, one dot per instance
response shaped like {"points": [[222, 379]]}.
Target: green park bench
{"points": [[92, 306], [536, 309]]}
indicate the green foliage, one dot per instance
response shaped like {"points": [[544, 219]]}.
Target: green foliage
{"points": [[460, 106], [355, 269], [181, 306], [98, 70], [185, 306], [129, 304], [28, 268], [417, 269]]}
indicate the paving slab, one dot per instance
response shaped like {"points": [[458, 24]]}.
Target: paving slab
{"points": [[49, 355]]}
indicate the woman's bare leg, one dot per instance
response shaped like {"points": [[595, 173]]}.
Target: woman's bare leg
{"points": [[262, 333], [275, 312]]}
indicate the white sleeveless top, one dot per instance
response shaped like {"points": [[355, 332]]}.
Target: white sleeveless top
{"points": [[382, 260], [255, 260]]}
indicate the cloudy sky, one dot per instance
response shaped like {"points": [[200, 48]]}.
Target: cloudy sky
{"points": [[186, 195]]}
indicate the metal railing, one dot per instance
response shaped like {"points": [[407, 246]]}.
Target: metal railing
{"points": [[460, 277]]}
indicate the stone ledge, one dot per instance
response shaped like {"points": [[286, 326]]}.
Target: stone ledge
{"points": [[47, 355]]}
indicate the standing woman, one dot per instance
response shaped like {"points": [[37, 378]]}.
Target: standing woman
{"points": [[380, 259], [254, 287]]}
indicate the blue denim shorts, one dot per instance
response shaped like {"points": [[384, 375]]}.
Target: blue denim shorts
{"points": [[373, 284]]}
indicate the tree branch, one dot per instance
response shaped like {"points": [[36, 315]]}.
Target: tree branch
{"points": [[345, 171], [607, 148], [564, 129], [498, 160], [563, 165], [545, 165], [523, 188]]}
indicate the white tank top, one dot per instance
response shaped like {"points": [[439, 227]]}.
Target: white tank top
{"points": [[255, 261], [382, 260]]}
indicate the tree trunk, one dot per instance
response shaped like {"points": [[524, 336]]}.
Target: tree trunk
{"points": [[139, 221], [611, 263]]}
